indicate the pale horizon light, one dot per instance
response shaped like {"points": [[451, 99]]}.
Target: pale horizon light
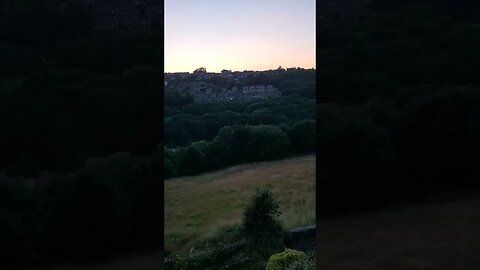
{"points": [[239, 35]]}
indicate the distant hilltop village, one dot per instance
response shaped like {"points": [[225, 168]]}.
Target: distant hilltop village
{"points": [[206, 93], [122, 15], [226, 86]]}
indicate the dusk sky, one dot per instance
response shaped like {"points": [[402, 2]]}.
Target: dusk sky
{"points": [[239, 35]]}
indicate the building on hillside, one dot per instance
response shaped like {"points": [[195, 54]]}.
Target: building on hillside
{"points": [[211, 94], [200, 70]]}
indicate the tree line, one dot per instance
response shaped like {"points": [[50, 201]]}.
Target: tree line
{"points": [[197, 122], [241, 144]]}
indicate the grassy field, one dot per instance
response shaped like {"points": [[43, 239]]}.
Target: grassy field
{"points": [[434, 236], [196, 207]]}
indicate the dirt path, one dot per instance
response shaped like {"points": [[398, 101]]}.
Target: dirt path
{"points": [[436, 236]]}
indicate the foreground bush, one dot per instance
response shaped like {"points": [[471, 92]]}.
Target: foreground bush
{"points": [[284, 260], [261, 224], [304, 263]]}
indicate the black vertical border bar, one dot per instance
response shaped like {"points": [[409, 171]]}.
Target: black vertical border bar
{"points": [[317, 152], [160, 177]]}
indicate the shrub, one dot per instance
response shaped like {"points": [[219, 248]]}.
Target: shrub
{"points": [[283, 260], [304, 263], [261, 225]]}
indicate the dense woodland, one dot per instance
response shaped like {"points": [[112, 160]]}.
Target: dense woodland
{"points": [[81, 119], [399, 105], [205, 137]]}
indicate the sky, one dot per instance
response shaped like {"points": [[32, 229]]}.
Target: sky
{"points": [[239, 34]]}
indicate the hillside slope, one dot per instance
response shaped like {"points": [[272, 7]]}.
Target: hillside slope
{"points": [[198, 206]]}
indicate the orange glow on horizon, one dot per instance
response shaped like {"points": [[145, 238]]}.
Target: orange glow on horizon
{"points": [[247, 35]]}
